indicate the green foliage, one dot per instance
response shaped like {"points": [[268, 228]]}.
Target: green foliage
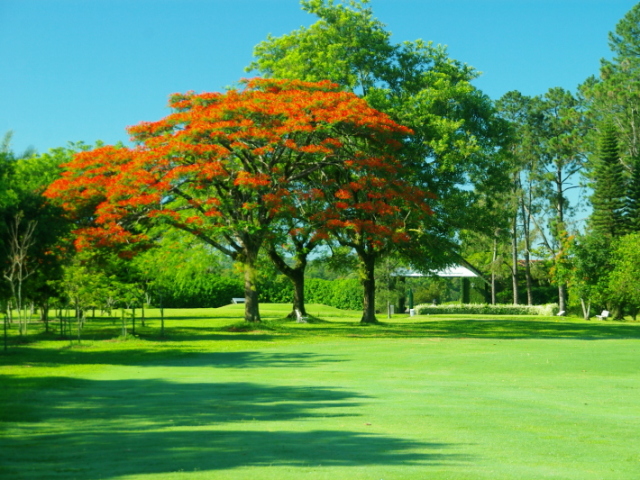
{"points": [[206, 291], [275, 289], [485, 309], [632, 206], [591, 264], [614, 97], [609, 187], [348, 46], [456, 131], [625, 276], [181, 272], [22, 182], [345, 294]]}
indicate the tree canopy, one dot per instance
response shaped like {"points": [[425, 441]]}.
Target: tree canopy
{"points": [[225, 166]]}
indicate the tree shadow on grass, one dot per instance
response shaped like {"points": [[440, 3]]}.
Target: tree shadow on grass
{"points": [[170, 358], [491, 329], [91, 429]]}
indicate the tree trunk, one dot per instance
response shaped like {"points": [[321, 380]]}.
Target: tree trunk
{"points": [[6, 321], [124, 323], [465, 291], [297, 279], [368, 263], [514, 259], [44, 315], [562, 298], [296, 275], [402, 296], [493, 272], [161, 318], [526, 219], [251, 308], [617, 311], [586, 308]]}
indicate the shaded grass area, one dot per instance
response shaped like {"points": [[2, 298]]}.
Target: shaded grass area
{"points": [[422, 397]]}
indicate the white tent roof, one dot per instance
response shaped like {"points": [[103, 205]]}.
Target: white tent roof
{"points": [[455, 271]]}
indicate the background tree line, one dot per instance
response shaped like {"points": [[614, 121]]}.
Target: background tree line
{"points": [[500, 175]]}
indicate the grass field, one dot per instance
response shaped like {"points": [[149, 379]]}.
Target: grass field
{"points": [[412, 398]]}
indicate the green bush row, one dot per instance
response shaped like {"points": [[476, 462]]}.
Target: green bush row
{"points": [[213, 292], [485, 309], [344, 294]]}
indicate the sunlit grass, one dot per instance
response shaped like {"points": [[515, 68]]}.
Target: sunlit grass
{"points": [[436, 397]]}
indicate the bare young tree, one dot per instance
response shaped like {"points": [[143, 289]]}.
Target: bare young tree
{"points": [[20, 240]]}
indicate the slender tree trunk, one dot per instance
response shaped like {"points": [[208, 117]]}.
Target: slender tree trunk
{"points": [[514, 258], [562, 288], [402, 296], [586, 308], [124, 323], [161, 317], [44, 315], [78, 320], [368, 263], [6, 320], [526, 226], [562, 298], [493, 272]]}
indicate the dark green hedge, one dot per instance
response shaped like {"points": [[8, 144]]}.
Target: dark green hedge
{"points": [[218, 291], [345, 294], [212, 293]]}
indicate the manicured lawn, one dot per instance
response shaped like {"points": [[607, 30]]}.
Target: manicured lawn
{"points": [[413, 398]]}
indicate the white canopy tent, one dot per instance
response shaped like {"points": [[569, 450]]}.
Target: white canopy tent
{"points": [[456, 271]]}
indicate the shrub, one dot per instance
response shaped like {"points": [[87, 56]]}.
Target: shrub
{"points": [[345, 294], [485, 309], [209, 292]]}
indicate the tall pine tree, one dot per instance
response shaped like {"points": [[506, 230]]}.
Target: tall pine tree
{"points": [[609, 186], [633, 198]]}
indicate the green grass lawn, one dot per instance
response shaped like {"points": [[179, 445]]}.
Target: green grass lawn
{"points": [[412, 398]]}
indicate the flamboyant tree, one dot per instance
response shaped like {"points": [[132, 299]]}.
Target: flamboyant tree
{"points": [[224, 167], [373, 210]]}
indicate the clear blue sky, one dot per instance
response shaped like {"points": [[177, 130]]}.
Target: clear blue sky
{"points": [[83, 70]]}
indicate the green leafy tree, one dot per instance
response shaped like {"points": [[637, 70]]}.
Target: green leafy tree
{"points": [[526, 200], [456, 131], [591, 258], [561, 153], [32, 230], [625, 276]]}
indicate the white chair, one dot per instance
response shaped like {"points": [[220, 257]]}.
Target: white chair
{"points": [[604, 315]]}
